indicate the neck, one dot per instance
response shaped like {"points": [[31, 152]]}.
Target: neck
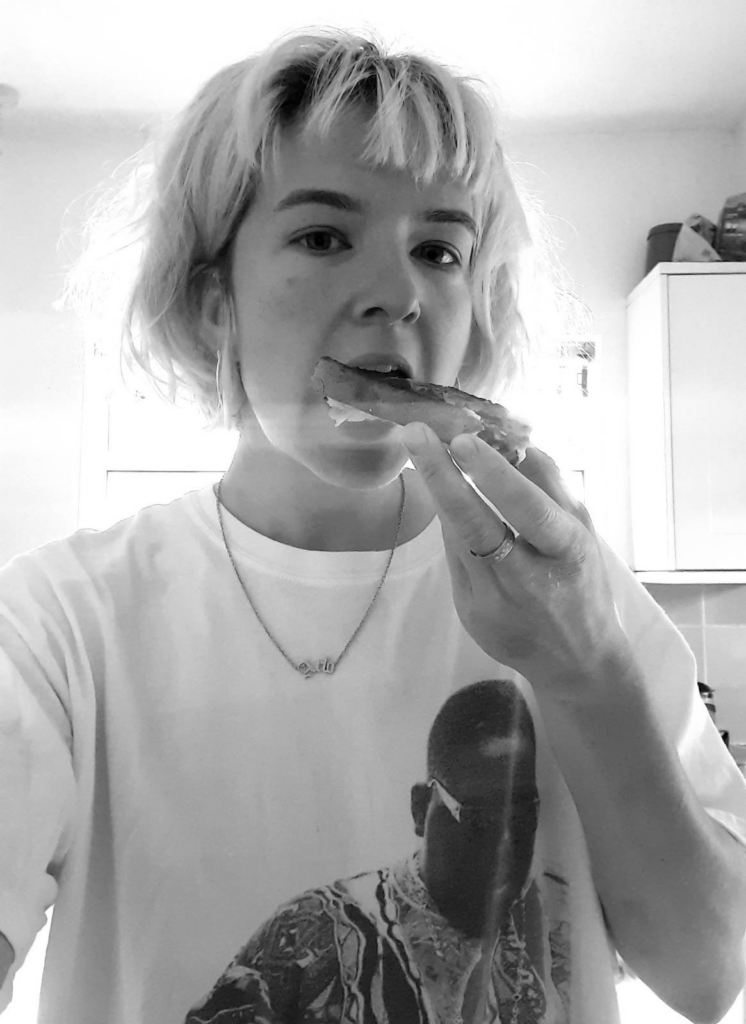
{"points": [[282, 500]]}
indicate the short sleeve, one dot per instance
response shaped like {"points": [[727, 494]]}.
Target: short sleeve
{"points": [[37, 783], [670, 670]]}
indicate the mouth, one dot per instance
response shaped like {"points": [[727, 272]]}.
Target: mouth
{"points": [[383, 365], [362, 428], [376, 366]]}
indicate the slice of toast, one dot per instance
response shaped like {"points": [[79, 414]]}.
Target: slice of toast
{"points": [[446, 410]]}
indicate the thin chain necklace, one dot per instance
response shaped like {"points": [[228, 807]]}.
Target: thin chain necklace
{"points": [[308, 667]]}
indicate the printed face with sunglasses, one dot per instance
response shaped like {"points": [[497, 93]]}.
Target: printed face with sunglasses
{"points": [[478, 817], [479, 830]]}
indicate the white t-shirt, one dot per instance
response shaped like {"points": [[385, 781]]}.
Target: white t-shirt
{"points": [[167, 780]]}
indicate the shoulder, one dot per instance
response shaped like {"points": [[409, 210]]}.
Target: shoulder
{"points": [[97, 559], [284, 967], [300, 925], [309, 921]]}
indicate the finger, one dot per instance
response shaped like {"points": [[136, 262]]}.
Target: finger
{"points": [[456, 556], [461, 510], [528, 508], [542, 470]]}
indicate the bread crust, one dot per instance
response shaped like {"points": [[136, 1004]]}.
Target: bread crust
{"points": [[446, 410]]}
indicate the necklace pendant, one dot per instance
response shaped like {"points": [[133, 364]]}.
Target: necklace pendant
{"points": [[325, 665], [310, 668]]}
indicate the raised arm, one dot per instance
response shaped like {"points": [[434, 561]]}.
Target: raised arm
{"points": [[671, 879]]}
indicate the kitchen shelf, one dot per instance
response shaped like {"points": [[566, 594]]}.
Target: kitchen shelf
{"points": [[722, 576]]}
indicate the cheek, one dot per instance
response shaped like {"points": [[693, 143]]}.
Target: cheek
{"points": [[291, 295], [277, 329], [447, 840], [283, 309], [454, 329]]}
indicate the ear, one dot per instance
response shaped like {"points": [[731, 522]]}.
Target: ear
{"points": [[420, 801], [214, 315]]}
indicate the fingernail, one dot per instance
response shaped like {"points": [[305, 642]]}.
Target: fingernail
{"points": [[465, 447], [414, 437]]}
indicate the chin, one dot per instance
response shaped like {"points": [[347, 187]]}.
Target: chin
{"points": [[363, 469]]}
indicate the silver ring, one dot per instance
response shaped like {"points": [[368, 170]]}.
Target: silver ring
{"points": [[502, 550]]}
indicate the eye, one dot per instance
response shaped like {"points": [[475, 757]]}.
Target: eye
{"points": [[452, 260], [314, 241]]}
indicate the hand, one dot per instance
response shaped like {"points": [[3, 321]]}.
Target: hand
{"points": [[546, 610]]}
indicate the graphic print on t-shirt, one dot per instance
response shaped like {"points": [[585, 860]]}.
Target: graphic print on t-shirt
{"points": [[469, 928]]}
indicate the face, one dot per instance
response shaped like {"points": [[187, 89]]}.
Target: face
{"points": [[368, 286], [491, 848]]}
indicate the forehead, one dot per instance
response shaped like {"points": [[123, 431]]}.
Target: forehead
{"points": [[334, 161], [492, 767]]}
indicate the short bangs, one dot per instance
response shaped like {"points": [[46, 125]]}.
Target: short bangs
{"points": [[421, 121], [422, 118]]}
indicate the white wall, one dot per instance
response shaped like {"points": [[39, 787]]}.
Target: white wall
{"points": [[44, 168], [739, 181], [603, 192]]}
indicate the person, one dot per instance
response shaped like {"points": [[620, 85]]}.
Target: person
{"points": [[407, 942], [213, 702]]}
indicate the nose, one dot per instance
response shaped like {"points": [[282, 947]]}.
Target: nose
{"points": [[389, 294]]}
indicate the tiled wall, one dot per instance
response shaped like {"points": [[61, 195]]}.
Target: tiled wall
{"points": [[713, 621]]}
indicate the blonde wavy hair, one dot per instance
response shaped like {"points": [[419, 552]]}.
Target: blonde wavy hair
{"points": [[165, 228]]}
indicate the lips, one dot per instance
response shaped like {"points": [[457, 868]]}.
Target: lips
{"points": [[387, 364]]}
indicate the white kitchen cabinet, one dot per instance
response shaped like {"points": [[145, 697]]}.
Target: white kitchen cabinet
{"points": [[687, 401]]}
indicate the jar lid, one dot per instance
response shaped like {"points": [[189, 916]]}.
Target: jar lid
{"points": [[661, 229]]}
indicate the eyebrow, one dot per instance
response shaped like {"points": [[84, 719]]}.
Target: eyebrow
{"points": [[341, 201]]}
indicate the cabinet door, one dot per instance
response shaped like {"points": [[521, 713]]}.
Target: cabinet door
{"points": [[707, 337]]}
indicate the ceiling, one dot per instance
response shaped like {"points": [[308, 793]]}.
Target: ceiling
{"points": [[557, 64]]}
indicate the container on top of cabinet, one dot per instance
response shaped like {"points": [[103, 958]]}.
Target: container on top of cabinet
{"points": [[686, 326]]}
